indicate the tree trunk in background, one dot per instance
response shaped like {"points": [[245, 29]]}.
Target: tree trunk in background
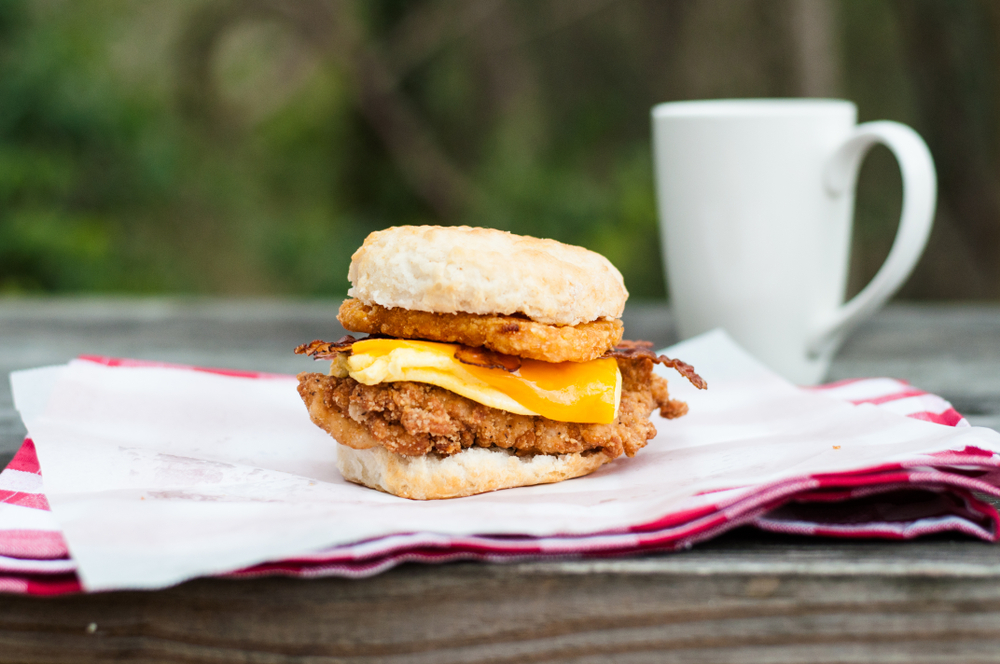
{"points": [[946, 44], [816, 41], [737, 49]]}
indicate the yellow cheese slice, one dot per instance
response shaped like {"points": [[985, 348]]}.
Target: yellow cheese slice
{"points": [[583, 392]]}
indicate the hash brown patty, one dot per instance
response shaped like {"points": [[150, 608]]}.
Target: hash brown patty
{"points": [[510, 335]]}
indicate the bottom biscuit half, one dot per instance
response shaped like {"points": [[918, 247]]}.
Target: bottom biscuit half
{"points": [[475, 470]]}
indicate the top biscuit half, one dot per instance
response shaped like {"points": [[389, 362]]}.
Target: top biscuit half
{"points": [[485, 271]]}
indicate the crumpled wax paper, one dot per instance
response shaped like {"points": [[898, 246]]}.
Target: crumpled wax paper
{"points": [[161, 474]]}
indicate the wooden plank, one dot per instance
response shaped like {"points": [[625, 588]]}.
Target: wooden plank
{"points": [[683, 612], [950, 349], [953, 350]]}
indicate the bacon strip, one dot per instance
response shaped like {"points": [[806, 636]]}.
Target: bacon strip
{"points": [[641, 349], [326, 350], [483, 357]]}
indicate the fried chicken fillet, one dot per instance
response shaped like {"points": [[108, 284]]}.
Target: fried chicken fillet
{"points": [[422, 438], [413, 419]]}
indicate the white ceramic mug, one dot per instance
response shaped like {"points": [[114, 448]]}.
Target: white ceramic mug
{"points": [[756, 201]]}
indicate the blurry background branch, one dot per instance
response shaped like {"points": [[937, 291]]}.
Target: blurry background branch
{"points": [[426, 29], [378, 67], [336, 31], [247, 146]]}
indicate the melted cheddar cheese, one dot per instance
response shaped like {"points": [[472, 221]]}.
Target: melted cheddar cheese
{"points": [[583, 392]]}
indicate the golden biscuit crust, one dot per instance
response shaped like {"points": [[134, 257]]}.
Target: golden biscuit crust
{"points": [[510, 335], [476, 470], [485, 271]]}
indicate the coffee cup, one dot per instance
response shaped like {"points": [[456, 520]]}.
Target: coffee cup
{"points": [[756, 202]]}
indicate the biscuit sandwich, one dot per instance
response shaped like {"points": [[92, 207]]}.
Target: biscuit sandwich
{"points": [[492, 361]]}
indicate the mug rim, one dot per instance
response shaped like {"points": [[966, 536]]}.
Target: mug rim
{"points": [[751, 107]]}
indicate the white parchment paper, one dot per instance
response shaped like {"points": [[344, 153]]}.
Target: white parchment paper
{"points": [[157, 475]]}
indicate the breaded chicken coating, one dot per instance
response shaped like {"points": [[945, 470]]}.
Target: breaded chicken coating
{"points": [[415, 418]]}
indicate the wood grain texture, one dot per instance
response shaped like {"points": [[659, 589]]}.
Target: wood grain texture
{"points": [[951, 350], [680, 608]]}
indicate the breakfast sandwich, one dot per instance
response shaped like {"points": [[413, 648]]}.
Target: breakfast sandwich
{"points": [[492, 361]]}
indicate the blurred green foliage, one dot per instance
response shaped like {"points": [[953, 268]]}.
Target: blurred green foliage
{"points": [[219, 146], [105, 185]]}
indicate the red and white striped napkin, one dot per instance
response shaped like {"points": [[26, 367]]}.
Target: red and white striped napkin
{"points": [[898, 496]]}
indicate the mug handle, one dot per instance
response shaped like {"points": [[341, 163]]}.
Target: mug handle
{"points": [[919, 199]]}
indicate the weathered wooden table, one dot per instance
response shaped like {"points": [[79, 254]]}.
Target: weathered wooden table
{"points": [[745, 597]]}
